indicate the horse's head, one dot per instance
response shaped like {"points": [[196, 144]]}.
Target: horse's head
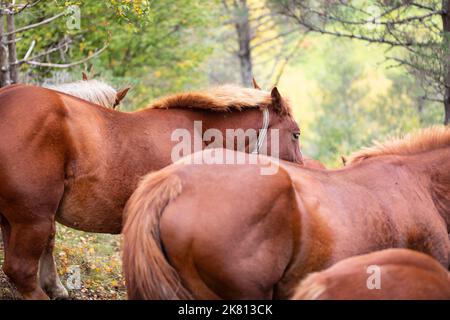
{"points": [[288, 131]]}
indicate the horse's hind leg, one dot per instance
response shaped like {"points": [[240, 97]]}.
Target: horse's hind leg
{"points": [[48, 276], [25, 247]]}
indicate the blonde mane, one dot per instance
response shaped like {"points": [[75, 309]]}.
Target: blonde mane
{"points": [[93, 90], [221, 98], [422, 141]]}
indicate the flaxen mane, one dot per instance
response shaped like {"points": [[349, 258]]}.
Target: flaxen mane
{"points": [[424, 140], [94, 91], [221, 98]]}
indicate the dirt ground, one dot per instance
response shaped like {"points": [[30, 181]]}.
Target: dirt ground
{"points": [[7, 291]]}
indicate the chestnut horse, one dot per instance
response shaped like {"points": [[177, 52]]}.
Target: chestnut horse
{"points": [[67, 160], [226, 231], [381, 275]]}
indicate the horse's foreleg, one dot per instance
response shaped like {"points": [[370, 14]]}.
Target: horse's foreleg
{"points": [[25, 247], [5, 231], [48, 275]]}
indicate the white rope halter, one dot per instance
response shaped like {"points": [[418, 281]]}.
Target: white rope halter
{"points": [[262, 132]]}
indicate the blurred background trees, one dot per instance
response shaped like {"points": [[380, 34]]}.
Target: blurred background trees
{"points": [[255, 30], [153, 45], [355, 70], [420, 28]]}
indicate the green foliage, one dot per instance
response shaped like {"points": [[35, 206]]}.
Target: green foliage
{"points": [[361, 101], [153, 45]]}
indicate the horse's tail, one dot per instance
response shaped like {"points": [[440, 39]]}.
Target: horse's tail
{"points": [[311, 288], [148, 274]]}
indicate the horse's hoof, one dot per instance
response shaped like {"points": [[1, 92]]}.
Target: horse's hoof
{"points": [[58, 293]]}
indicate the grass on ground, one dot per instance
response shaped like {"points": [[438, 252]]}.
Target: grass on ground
{"points": [[96, 256]]}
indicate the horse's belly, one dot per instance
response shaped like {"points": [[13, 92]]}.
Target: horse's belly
{"points": [[91, 213]]}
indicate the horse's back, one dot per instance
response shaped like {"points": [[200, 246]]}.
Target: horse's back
{"points": [[387, 274], [371, 206]]}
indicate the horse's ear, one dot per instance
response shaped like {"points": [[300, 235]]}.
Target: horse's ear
{"points": [[255, 85], [85, 77], [276, 99], [121, 94]]}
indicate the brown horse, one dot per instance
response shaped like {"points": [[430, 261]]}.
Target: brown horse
{"points": [[382, 275], [65, 159], [226, 231]]}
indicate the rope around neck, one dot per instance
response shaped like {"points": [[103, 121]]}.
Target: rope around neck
{"points": [[262, 132]]}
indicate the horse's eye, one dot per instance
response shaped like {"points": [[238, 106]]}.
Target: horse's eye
{"points": [[296, 135]]}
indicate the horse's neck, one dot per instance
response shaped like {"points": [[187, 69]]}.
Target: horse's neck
{"points": [[436, 167], [246, 119]]}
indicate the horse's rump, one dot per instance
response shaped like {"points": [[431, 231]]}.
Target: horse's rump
{"points": [[219, 229]]}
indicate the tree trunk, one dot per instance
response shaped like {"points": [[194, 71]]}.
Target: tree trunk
{"points": [[244, 37], [446, 62], [12, 53], [4, 77]]}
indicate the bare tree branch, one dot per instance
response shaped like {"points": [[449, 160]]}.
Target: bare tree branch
{"points": [[376, 38], [30, 49], [66, 65], [6, 42], [280, 35], [63, 44], [27, 6], [286, 60], [38, 24]]}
